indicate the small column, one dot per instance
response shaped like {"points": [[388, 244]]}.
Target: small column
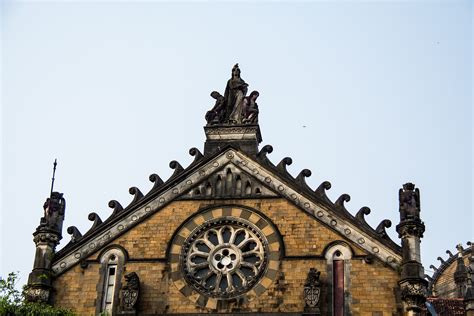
{"points": [[46, 237], [469, 297], [410, 229]]}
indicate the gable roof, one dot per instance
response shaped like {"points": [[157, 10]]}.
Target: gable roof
{"points": [[445, 264], [275, 180]]}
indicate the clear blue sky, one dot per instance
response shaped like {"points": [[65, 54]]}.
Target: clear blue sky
{"points": [[368, 95]]}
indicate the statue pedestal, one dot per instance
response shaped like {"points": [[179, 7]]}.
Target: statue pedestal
{"points": [[244, 137]]}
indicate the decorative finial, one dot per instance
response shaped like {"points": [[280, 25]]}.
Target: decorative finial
{"points": [[52, 180]]}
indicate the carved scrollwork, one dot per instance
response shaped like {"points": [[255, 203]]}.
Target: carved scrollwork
{"points": [[196, 154], [380, 230], [177, 168], [157, 181], [75, 234], [137, 194], [283, 163], [116, 206]]}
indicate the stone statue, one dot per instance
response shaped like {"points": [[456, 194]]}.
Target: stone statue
{"points": [[234, 107], [409, 199], [54, 208], [235, 92], [217, 114], [130, 293], [251, 108], [312, 292]]}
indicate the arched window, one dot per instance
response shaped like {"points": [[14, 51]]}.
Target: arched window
{"points": [[338, 258], [112, 262]]}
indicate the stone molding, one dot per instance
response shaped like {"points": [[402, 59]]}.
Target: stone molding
{"points": [[311, 206]]}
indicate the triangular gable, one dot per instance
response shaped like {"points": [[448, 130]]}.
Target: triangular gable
{"points": [[272, 183]]}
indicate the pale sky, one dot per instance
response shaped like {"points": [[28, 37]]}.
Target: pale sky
{"points": [[368, 95]]}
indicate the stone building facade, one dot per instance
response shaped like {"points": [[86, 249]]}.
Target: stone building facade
{"points": [[232, 233]]}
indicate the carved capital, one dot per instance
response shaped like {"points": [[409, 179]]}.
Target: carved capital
{"points": [[37, 294], [413, 293], [409, 228], [46, 236]]}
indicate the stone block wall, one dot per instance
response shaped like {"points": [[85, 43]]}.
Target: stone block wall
{"points": [[372, 286]]}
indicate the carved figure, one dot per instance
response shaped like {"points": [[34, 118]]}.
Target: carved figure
{"points": [[235, 92], [54, 208], [217, 113], [312, 291], [130, 292], [409, 199], [251, 108]]}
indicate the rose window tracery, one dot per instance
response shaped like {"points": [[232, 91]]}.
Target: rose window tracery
{"points": [[223, 254], [225, 258]]}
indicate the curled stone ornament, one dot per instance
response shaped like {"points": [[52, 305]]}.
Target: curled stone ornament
{"points": [[224, 258]]}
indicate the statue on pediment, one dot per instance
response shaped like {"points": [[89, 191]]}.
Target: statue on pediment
{"points": [[235, 107]]}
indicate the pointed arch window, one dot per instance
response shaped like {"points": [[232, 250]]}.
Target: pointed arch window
{"points": [[112, 263], [338, 259]]}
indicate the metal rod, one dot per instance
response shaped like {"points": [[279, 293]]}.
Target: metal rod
{"points": [[52, 182]]}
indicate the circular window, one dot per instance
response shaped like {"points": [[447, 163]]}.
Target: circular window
{"points": [[224, 258], [223, 254]]}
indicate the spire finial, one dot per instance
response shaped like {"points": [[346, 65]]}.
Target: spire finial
{"points": [[52, 179]]}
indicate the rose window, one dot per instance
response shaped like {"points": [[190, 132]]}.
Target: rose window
{"points": [[224, 258]]}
